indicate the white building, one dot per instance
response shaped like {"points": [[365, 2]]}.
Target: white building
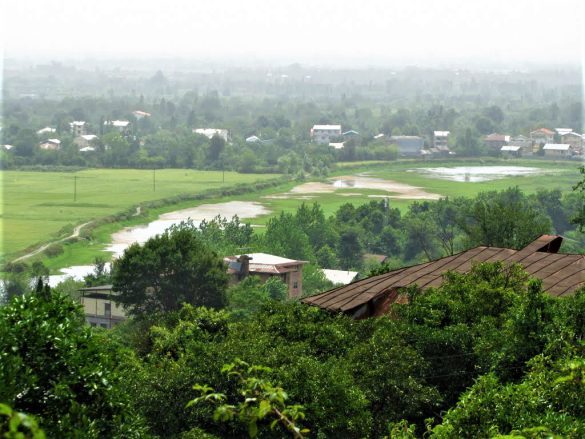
{"points": [[121, 125], [85, 140], [441, 140], [210, 132], [51, 145], [46, 130], [324, 133], [77, 127]]}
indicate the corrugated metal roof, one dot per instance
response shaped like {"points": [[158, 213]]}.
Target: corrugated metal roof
{"points": [[511, 148], [327, 127], [339, 277], [561, 274], [556, 147]]}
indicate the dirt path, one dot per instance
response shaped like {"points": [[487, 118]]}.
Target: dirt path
{"points": [[75, 234]]}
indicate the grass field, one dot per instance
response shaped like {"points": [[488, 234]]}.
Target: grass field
{"points": [[38, 205]]}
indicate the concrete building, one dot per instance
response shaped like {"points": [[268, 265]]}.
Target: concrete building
{"points": [[100, 308], [441, 140], [325, 133], [78, 127], [524, 142], [557, 150], [51, 145], [85, 141], [265, 266], [122, 126], [574, 139], [542, 136], [408, 145], [495, 141]]}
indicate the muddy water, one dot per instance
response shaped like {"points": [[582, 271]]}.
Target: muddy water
{"points": [[140, 234], [395, 190], [475, 174]]}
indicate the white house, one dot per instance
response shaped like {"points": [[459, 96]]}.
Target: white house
{"points": [[46, 130], [77, 127], [85, 140], [324, 133], [210, 132], [121, 125], [441, 140], [51, 145]]}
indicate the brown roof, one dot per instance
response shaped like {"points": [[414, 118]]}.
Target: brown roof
{"points": [[561, 274], [495, 137], [544, 131]]}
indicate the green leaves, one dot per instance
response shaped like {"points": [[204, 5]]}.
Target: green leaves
{"points": [[261, 400]]}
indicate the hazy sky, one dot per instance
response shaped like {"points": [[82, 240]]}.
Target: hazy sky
{"points": [[327, 30]]}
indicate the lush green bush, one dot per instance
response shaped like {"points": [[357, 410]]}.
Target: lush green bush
{"points": [[53, 367]]}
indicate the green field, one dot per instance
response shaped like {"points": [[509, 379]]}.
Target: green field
{"points": [[36, 206], [39, 205]]}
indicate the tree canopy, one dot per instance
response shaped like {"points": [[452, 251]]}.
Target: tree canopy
{"points": [[170, 269]]}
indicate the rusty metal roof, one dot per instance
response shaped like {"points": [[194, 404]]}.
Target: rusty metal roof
{"points": [[561, 274]]}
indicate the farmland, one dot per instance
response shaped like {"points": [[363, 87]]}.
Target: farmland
{"points": [[40, 206]]}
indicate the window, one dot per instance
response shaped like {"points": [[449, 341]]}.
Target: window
{"points": [[295, 284], [108, 309], [103, 325]]}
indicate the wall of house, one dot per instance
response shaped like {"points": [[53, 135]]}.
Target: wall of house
{"points": [[555, 153], [95, 312]]}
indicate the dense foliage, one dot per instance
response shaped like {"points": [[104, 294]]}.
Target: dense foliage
{"points": [[53, 367], [170, 269]]}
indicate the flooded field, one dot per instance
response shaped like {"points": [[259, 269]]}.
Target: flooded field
{"points": [[475, 174], [124, 238], [140, 234], [395, 190]]}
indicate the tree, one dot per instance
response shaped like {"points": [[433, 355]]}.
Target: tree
{"points": [[169, 270], [216, 147], [261, 400], [350, 249], [284, 237], [53, 367], [503, 219]]}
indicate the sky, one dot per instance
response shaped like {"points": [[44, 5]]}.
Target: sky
{"points": [[318, 31]]}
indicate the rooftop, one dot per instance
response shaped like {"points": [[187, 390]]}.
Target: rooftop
{"points": [[327, 127], [441, 133], [263, 263], [543, 131], [556, 147], [340, 277], [511, 148], [561, 274]]}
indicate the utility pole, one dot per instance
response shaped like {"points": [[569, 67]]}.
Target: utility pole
{"points": [[75, 188]]}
